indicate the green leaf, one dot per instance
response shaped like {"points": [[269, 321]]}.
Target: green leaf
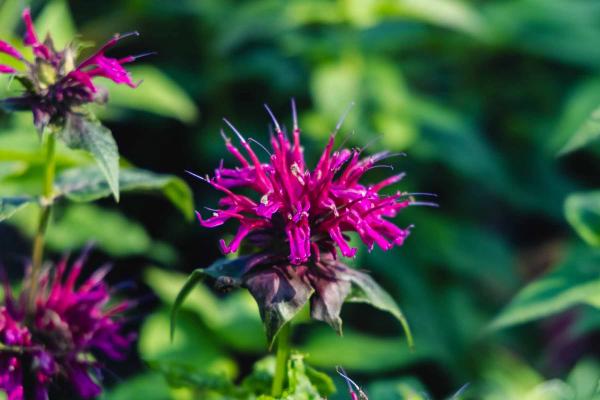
{"points": [[403, 388], [584, 379], [320, 380], [368, 354], [300, 386], [157, 94], [56, 19], [195, 277], [588, 132], [225, 271], [366, 290], [182, 375], [10, 11], [10, 205], [279, 291], [225, 316], [149, 386], [78, 224], [194, 345], [577, 124], [80, 132], [582, 210], [87, 184], [452, 14], [575, 281]]}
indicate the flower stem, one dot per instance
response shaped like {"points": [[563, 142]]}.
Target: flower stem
{"points": [[46, 202], [283, 354]]}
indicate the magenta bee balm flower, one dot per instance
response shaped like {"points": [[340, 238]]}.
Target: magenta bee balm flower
{"points": [[54, 84], [306, 210], [69, 323], [294, 223]]}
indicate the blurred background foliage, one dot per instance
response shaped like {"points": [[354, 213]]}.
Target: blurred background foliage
{"points": [[492, 100]]}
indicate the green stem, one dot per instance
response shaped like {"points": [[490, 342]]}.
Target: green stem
{"points": [[283, 354], [46, 202]]}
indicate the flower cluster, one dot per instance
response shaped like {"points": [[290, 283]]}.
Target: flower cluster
{"points": [[55, 341], [54, 84], [297, 220], [310, 210]]}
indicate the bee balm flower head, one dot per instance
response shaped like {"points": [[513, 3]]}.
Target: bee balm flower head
{"points": [[55, 85], [308, 211], [297, 219]]}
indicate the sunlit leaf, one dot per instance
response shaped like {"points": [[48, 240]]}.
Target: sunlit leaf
{"points": [[579, 123], [76, 225], [179, 374], [56, 19], [157, 94], [369, 353], [582, 210], [193, 346], [10, 10], [10, 205], [88, 184], [148, 386], [587, 133]]}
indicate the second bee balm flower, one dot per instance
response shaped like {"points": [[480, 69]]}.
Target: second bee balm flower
{"points": [[55, 84]]}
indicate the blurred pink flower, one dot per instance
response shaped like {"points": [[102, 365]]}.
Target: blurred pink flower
{"points": [[56, 341]]}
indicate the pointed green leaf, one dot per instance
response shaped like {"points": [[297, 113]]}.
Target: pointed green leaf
{"points": [[575, 281], [227, 273], [195, 277], [582, 210], [81, 132], [588, 132], [87, 184], [10, 205], [321, 381], [366, 290]]}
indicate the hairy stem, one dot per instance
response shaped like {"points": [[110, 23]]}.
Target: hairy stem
{"points": [[283, 354], [46, 202]]}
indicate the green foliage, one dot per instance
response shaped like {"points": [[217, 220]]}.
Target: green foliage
{"points": [[10, 205], [87, 184], [158, 94], [225, 316], [149, 386], [481, 95], [575, 281], [372, 354]]}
